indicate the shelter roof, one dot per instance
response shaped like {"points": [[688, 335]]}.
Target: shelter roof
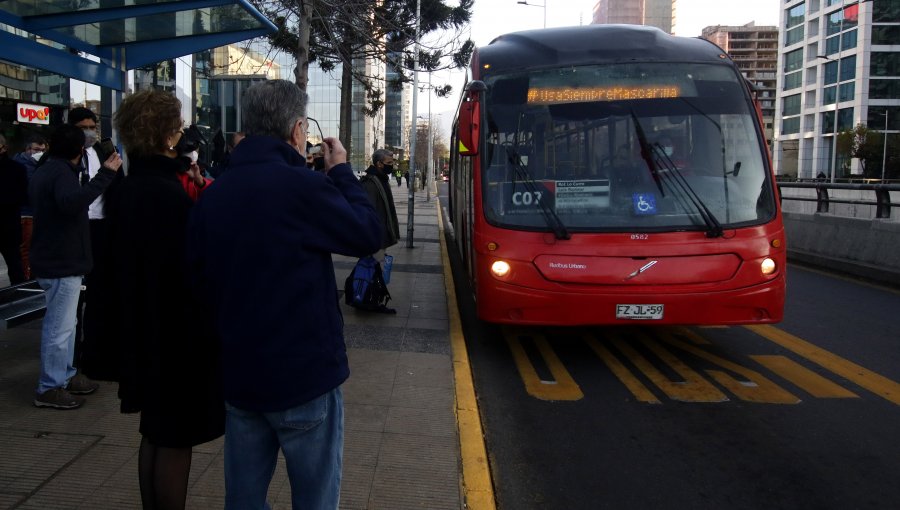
{"points": [[123, 34]]}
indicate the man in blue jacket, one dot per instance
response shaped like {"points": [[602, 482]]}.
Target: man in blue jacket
{"points": [[260, 243]]}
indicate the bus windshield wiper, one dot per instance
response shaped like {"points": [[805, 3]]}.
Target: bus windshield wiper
{"points": [[549, 215], [679, 183], [674, 180], [647, 153]]}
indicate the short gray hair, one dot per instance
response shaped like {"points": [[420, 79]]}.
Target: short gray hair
{"points": [[272, 108], [380, 155]]}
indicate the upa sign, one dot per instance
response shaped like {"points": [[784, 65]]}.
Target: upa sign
{"points": [[33, 113]]}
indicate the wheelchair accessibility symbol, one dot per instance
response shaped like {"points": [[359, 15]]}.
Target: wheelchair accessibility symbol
{"points": [[644, 203]]}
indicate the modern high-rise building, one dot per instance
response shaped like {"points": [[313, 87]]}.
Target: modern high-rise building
{"points": [[755, 51], [838, 66], [655, 13]]}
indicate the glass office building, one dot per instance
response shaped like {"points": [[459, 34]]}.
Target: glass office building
{"points": [[838, 66]]}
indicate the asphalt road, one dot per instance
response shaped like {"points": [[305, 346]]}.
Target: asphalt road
{"points": [[804, 414]]}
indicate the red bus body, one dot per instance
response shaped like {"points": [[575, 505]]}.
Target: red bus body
{"points": [[682, 275]]}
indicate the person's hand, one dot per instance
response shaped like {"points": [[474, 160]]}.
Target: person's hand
{"points": [[196, 175], [334, 152], [113, 162]]}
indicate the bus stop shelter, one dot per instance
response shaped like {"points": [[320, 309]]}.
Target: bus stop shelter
{"points": [[122, 34]]}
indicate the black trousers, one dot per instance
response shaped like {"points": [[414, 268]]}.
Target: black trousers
{"points": [[10, 242]]}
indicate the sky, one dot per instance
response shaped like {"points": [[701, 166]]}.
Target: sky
{"points": [[495, 17]]}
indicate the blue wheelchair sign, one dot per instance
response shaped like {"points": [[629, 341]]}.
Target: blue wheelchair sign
{"points": [[644, 203]]}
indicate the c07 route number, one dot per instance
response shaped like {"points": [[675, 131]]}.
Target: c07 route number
{"points": [[526, 197]]}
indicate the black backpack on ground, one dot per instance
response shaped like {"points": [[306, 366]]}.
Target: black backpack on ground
{"points": [[365, 288]]}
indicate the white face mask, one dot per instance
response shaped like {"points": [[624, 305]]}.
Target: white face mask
{"points": [[193, 155], [668, 151], [37, 155], [90, 138]]}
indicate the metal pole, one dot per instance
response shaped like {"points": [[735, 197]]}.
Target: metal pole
{"points": [[884, 154], [411, 196], [837, 101], [545, 13], [429, 167]]}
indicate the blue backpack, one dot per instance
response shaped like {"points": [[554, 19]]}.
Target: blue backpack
{"points": [[365, 288]]}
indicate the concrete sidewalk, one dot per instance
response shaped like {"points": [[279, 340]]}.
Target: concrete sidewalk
{"points": [[401, 446]]}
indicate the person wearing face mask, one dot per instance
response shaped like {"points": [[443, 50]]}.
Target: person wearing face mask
{"points": [[13, 186], [191, 177], [376, 181], [35, 148], [93, 338], [169, 361], [60, 257]]}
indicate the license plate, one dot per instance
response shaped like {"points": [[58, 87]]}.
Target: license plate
{"points": [[641, 312]]}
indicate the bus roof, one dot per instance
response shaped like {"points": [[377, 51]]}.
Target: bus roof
{"points": [[591, 44]]}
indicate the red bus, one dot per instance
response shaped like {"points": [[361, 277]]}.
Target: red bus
{"points": [[607, 174]]}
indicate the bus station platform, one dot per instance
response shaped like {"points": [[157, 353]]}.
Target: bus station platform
{"points": [[401, 448]]}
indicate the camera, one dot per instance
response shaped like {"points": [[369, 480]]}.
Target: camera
{"points": [[190, 141]]}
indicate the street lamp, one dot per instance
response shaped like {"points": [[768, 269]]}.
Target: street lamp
{"points": [[411, 195], [837, 100], [544, 5], [884, 151], [428, 166]]}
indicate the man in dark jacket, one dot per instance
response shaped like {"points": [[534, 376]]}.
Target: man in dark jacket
{"points": [[60, 257], [35, 147], [276, 305], [13, 186], [378, 188]]}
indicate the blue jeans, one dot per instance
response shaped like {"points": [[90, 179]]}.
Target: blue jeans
{"points": [[58, 331], [311, 436]]}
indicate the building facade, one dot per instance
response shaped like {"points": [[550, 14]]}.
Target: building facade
{"points": [[755, 51], [838, 66], [655, 13]]}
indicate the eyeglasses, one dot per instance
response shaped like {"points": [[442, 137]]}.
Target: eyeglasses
{"points": [[318, 128]]}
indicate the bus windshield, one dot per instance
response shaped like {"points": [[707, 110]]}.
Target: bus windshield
{"points": [[646, 147]]}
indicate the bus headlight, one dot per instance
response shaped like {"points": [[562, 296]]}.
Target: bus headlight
{"points": [[767, 266], [500, 268]]}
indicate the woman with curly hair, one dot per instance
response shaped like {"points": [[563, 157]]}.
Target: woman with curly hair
{"points": [[170, 371]]}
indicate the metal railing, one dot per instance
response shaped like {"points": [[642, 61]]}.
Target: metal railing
{"points": [[823, 200]]}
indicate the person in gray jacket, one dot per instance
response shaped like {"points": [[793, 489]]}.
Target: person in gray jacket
{"points": [[60, 257]]}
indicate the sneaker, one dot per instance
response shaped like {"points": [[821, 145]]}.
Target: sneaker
{"points": [[58, 398], [80, 385]]}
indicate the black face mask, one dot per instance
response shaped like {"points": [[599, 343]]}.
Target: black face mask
{"points": [[388, 169]]}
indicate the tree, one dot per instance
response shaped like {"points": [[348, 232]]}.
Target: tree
{"points": [[868, 146], [343, 32]]}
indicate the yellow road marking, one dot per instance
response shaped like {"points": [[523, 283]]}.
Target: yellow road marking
{"points": [[811, 382], [760, 388], [563, 387], [693, 336], [694, 388], [636, 387], [878, 384], [476, 474]]}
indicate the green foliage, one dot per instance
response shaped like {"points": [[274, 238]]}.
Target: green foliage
{"points": [[868, 146]]}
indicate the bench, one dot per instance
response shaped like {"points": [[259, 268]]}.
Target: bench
{"points": [[21, 303]]}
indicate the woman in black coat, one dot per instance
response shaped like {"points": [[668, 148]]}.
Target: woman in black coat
{"points": [[170, 369]]}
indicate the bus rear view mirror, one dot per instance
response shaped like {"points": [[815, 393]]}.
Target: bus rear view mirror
{"points": [[468, 129]]}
